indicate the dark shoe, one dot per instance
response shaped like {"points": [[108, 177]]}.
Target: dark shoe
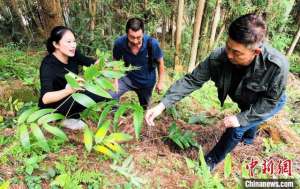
{"points": [[248, 141], [210, 163]]}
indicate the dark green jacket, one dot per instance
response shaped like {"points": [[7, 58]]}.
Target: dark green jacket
{"points": [[257, 93]]}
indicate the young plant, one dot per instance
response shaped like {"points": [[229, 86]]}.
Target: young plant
{"points": [[74, 180], [107, 145], [11, 105], [35, 119], [183, 140], [127, 170], [32, 163], [98, 79], [227, 166], [206, 179]]}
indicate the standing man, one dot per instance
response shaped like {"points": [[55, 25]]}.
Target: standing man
{"points": [[247, 69], [142, 51]]}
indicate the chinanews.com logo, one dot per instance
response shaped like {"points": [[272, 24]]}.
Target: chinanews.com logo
{"points": [[271, 173]]}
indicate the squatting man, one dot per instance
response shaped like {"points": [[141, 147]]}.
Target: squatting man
{"points": [[249, 71]]}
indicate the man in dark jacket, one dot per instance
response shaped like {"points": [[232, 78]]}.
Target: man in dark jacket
{"points": [[247, 69]]}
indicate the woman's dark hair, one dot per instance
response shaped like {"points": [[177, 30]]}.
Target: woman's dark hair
{"points": [[55, 36], [134, 24], [249, 29]]}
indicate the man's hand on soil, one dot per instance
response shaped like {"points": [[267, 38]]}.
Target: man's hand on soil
{"points": [[231, 121], [152, 113]]}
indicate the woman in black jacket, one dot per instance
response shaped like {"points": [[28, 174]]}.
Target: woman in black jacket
{"points": [[55, 92]]}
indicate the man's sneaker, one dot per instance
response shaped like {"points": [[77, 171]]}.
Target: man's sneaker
{"points": [[73, 124], [210, 163]]}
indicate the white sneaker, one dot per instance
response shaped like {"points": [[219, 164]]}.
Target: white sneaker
{"points": [[73, 124]]}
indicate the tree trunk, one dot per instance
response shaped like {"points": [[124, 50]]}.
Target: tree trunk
{"points": [[17, 17], [220, 34], [203, 43], [178, 66], [215, 24], [32, 11], [163, 35], [196, 33], [92, 10], [223, 21], [51, 15], [172, 28], [66, 11], [295, 41]]}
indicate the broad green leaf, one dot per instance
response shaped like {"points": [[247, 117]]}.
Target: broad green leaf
{"points": [[112, 74], [100, 134], [185, 142], [118, 137], [88, 139], [227, 166], [104, 114], [64, 181], [104, 83], [71, 79], [115, 147], [116, 63], [5, 185], [121, 110], [127, 162], [55, 131], [24, 136], [90, 72], [96, 89], [50, 117], [38, 134], [22, 118], [190, 163], [98, 53], [33, 117], [138, 116], [104, 150], [178, 142], [245, 173], [84, 100], [203, 165]]}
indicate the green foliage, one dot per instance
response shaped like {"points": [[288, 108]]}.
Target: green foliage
{"points": [[18, 64], [33, 182], [74, 180], [107, 145], [127, 170], [207, 97], [97, 80], [206, 179], [227, 166], [12, 105], [294, 60], [5, 185], [183, 140], [32, 163], [34, 120], [201, 119]]}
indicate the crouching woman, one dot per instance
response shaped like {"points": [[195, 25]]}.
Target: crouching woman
{"points": [[55, 92]]}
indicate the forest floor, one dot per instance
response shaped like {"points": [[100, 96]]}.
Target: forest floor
{"points": [[157, 161]]}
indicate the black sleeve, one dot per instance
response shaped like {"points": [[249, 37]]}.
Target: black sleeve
{"points": [[83, 60], [117, 51], [46, 78]]}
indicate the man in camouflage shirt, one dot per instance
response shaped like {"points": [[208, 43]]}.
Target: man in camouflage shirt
{"points": [[249, 71]]}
